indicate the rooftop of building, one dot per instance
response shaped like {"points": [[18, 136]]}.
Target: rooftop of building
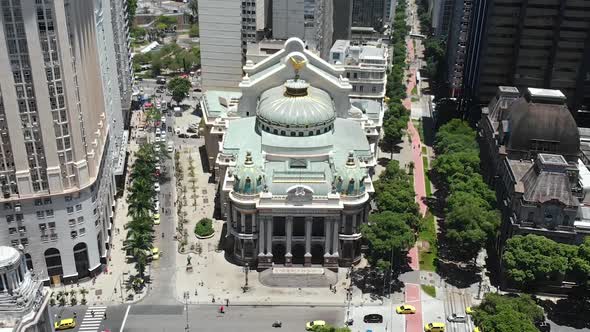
{"points": [[355, 52], [151, 8], [218, 103], [317, 173]]}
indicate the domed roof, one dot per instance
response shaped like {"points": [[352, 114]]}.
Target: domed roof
{"points": [[550, 122], [8, 256], [249, 178], [296, 104], [350, 179]]}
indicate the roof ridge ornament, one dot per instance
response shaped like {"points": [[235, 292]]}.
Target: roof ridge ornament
{"points": [[350, 161], [297, 65], [248, 160]]}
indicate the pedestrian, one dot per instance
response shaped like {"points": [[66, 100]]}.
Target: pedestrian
{"points": [[75, 315], [330, 286], [227, 302], [221, 310], [92, 313], [105, 315]]}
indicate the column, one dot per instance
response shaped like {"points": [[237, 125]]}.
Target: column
{"points": [[307, 256], [327, 237], [335, 239], [269, 236], [242, 223], [261, 239], [289, 229]]}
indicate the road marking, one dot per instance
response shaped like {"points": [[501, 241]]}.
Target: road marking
{"points": [[125, 318]]}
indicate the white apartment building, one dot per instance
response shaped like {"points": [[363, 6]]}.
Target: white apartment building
{"points": [[365, 66], [61, 130]]}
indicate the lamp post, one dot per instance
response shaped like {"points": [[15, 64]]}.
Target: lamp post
{"points": [[246, 269], [186, 297]]}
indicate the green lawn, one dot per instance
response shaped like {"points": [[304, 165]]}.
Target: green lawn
{"points": [[426, 179], [428, 234], [430, 290], [424, 150], [414, 90]]}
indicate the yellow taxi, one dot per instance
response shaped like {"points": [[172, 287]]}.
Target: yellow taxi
{"points": [[64, 324], [310, 325], [155, 253], [156, 219], [434, 327], [476, 329], [405, 309], [469, 310]]}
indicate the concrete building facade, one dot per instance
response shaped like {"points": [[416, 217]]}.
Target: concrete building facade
{"points": [[543, 43], [62, 127], [23, 299], [530, 148], [365, 66], [294, 166]]}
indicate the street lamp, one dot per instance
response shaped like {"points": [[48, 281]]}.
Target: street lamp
{"points": [[246, 269], [186, 297]]}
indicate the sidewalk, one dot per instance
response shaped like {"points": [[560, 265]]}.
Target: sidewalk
{"points": [[109, 287]]}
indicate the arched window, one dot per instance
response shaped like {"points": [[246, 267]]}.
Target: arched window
{"points": [[566, 220], [276, 132], [29, 261], [310, 133]]}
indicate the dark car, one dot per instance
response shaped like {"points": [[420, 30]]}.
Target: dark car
{"points": [[373, 318]]}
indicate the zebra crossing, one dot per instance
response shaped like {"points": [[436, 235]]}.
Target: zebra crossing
{"points": [[93, 317]]}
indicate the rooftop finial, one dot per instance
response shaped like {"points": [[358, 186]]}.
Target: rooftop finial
{"points": [[350, 160], [248, 158]]}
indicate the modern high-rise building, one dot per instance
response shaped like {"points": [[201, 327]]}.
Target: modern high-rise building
{"points": [[369, 13], [310, 20], [541, 43], [121, 42], [61, 132], [226, 28]]}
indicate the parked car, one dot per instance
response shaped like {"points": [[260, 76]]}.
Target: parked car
{"points": [[310, 325], [373, 318], [157, 187], [543, 327], [64, 324], [434, 327]]}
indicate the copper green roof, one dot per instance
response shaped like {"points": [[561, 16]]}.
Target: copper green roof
{"points": [[296, 104]]}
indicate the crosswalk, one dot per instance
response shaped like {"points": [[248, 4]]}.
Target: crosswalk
{"points": [[91, 323]]}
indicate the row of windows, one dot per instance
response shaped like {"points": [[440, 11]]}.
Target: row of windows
{"points": [[296, 133]]}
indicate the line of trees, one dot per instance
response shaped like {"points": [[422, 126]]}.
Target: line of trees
{"points": [[170, 57], [390, 232], [139, 241], [395, 120], [471, 219]]}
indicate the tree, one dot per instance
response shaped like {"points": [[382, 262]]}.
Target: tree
{"points": [[180, 88], [455, 136], [329, 328], [447, 165], [534, 259], [500, 313], [474, 185], [468, 227], [388, 235], [193, 5], [131, 9], [194, 31]]}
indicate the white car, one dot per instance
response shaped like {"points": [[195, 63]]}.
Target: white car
{"points": [[156, 206], [157, 187], [163, 119], [157, 148], [158, 132], [157, 139], [170, 148], [163, 136]]}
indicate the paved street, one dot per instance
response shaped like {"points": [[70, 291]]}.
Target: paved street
{"points": [[87, 322], [163, 318]]}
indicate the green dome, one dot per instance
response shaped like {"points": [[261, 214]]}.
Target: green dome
{"points": [[296, 104], [248, 178], [350, 179]]}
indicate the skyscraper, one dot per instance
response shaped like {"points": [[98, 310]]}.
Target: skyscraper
{"points": [[542, 43], [61, 129], [370, 13]]}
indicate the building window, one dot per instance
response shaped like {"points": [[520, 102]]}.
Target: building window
{"points": [[51, 225], [70, 209], [42, 227], [74, 234], [72, 222], [38, 202], [49, 213], [78, 207], [12, 230], [24, 241], [9, 218], [68, 198], [82, 231], [80, 220], [566, 220], [22, 229], [40, 214], [47, 201]]}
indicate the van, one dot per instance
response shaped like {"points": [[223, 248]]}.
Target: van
{"points": [[434, 327]]}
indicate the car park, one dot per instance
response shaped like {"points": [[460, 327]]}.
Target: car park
{"points": [[373, 318]]}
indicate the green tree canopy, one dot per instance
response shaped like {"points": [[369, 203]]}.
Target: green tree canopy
{"points": [[329, 328], [449, 164], [500, 313], [469, 226], [180, 88], [387, 233], [533, 259]]}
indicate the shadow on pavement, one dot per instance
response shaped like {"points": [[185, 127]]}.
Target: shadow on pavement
{"points": [[573, 311], [458, 275]]}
